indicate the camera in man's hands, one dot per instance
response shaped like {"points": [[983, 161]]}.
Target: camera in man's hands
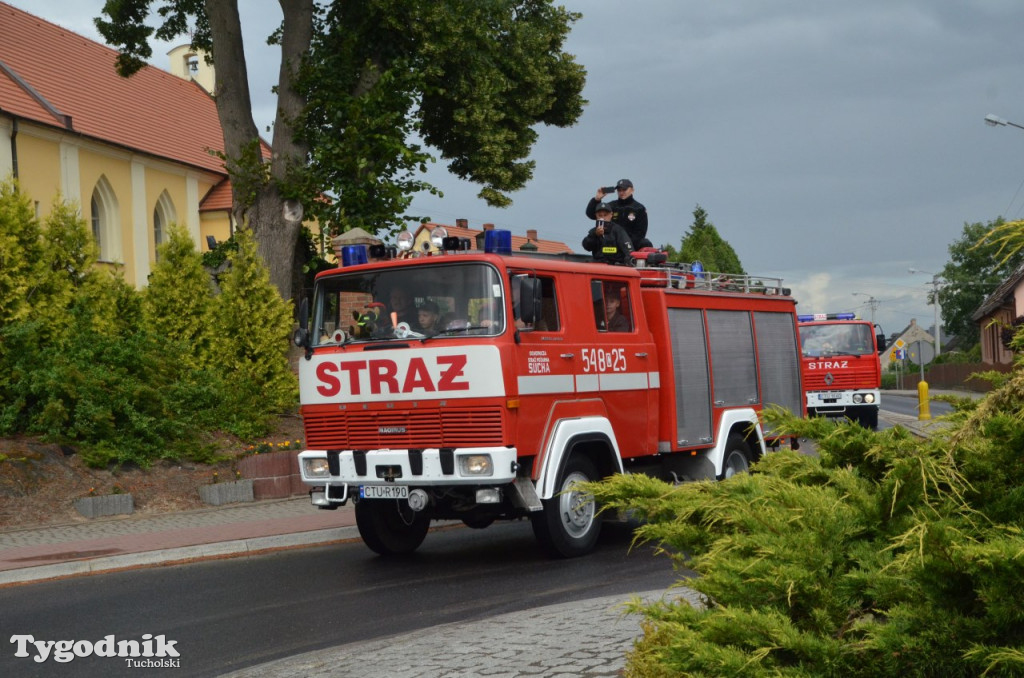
{"points": [[601, 223], [607, 189]]}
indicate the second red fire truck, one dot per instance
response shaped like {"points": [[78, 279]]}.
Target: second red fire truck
{"points": [[522, 375], [842, 375]]}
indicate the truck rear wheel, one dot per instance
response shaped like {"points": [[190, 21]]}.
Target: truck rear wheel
{"points": [[737, 456], [569, 525], [390, 527]]}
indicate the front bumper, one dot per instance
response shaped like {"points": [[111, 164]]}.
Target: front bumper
{"points": [[428, 467], [839, 402]]}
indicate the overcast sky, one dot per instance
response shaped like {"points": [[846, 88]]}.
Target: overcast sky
{"points": [[833, 143]]}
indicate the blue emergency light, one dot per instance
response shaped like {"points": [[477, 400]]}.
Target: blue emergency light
{"points": [[353, 255], [498, 241], [807, 318]]}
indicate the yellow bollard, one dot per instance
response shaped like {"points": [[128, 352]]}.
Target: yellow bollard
{"points": [[923, 407]]}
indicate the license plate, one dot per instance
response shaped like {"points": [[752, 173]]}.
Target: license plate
{"points": [[830, 396], [383, 491]]}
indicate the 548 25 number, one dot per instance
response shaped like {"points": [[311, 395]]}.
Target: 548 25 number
{"points": [[604, 360]]}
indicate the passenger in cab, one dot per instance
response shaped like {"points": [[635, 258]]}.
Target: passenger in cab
{"points": [[429, 316]]}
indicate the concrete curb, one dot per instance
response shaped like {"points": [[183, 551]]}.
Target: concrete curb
{"points": [[227, 549]]}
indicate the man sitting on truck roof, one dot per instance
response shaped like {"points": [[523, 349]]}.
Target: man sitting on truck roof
{"points": [[608, 241]]}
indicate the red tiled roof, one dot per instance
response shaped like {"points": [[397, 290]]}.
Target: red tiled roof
{"points": [[47, 72], [543, 246], [217, 199]]}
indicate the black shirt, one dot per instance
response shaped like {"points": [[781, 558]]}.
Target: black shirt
{"points": [[630, 215]]}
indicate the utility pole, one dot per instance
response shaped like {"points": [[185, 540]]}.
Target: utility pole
{"points": [[871, 302], [936, 283]]}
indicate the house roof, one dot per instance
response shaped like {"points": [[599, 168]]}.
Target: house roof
{"points": [[57, 78], [1002, 295], [543, 246]]}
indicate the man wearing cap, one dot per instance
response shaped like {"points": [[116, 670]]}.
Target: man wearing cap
{"points": [[608, 241], [626, 212]]}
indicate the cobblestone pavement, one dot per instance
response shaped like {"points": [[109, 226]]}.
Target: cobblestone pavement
{"points": [[584, 639]]}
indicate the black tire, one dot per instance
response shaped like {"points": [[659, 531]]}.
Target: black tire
{"points": [[478, 522], [569, 525], [737, 456], [390, 527], [869, 419]]}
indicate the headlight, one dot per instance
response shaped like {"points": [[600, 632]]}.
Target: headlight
{"points": [[315, 468], [858, 398], [869, 398], [476, 465]]}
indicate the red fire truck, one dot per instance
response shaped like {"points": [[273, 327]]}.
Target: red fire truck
{"points": [[539, 372], [841, 372]]}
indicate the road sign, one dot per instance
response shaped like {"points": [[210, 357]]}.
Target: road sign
{"points": [[900, 343]]}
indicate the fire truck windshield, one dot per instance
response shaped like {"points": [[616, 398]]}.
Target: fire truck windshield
{"points": [[408, 302], [842, 338]]}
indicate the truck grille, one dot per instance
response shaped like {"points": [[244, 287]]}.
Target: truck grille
{"points": [[841, 379], [373, 429]]}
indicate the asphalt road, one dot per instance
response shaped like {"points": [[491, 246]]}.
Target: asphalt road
{"points": [[909, 405], [228, 614]]}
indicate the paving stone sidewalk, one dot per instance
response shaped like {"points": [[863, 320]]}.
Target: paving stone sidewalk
{"points": [[33, 554]]}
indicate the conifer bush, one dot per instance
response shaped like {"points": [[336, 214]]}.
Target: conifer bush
{"points": [[124, 376], [177, 299], [886, 555], [249, 327]]}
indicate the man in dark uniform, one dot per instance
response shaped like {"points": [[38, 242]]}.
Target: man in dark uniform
{"points": [[626, 212], [608, 241]]}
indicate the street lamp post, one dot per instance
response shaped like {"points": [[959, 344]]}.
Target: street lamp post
{"points": [[935, 300], [995, 120]]}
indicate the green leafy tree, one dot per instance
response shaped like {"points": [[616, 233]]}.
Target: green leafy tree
{"points": [[249, 327], [177, 300], [470, 78], [978, 262], [703, 243]]}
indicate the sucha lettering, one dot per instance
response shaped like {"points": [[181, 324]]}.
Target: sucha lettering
{"points": [[382, 375]]}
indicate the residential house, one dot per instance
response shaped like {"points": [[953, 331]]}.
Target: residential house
{"points": [[461, 229], [134, 154], [919, 344], [999, 311]]}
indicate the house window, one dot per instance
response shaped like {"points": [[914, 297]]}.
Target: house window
{"points": [[163, 217], [97, 221], [103, 217]]}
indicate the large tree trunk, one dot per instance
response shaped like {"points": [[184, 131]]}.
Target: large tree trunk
{"points": [[257, 204]]}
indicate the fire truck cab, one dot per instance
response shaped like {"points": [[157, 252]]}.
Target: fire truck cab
{"points": [[537, 373], [841, 371]]}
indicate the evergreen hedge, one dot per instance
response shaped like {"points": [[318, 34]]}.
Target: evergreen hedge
{"points": [[886, 555], [128, 376]]}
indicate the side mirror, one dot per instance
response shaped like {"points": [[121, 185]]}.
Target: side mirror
{"points": [[529, 299], [300, 337]]}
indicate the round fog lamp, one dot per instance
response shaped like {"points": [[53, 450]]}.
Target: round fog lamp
{"points": [[869, 398]]}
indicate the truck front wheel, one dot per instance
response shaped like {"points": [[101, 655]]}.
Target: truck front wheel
{"points": [[569, 525], [869, 418], [737, 456], [390, 527]]}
